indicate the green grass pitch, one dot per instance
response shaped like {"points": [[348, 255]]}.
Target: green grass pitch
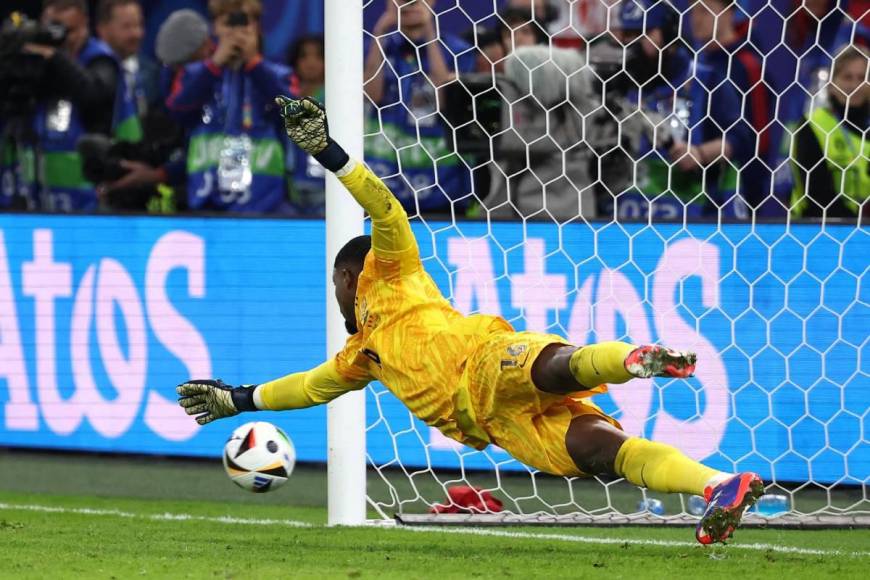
{"points": [[97, 517]]}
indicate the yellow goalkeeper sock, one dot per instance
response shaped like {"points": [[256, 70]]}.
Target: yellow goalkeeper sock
{"points": [[661, 467], [601, 363]]}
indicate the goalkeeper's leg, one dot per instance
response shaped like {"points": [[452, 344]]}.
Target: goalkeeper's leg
{"points": [[567, 369], [599, 448]]}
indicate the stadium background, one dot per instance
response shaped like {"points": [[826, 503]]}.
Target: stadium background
{"points": [[100, 317], [285, 21], [244, 300], [798, 388]]}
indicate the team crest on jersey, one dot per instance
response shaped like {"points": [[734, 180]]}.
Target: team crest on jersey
{"points": [[516, 349]]}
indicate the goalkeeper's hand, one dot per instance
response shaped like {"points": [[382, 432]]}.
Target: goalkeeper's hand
{"points": [[214, 399], [306, 125]]}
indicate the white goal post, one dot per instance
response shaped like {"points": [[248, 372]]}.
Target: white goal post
{"points": [[346, 434]]}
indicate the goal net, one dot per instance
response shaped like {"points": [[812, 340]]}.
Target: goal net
{"points": [[638, 171]]}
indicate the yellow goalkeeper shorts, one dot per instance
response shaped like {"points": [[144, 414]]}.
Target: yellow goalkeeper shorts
{"points": [[525, 421]]}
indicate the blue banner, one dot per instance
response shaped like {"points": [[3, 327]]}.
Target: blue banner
{"points": [[100, 318]]}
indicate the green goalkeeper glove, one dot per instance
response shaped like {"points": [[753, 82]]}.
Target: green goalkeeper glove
{"points": [[212, 400], [306, 125]]}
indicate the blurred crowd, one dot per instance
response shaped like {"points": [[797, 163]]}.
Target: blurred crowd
{"points": [[652, 109]]}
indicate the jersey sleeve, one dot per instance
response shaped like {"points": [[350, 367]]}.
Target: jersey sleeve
{"points": [[315, 387], [351, 363], [393, 242]]}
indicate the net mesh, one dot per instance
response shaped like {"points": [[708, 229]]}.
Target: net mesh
{"points": [[636, 171]]}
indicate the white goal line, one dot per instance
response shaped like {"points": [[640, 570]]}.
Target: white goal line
{"points": [[621, 541], [467, 531], [164, 517]]}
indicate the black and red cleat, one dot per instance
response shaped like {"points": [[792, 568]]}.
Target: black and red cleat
{"points": [[657, 361]]}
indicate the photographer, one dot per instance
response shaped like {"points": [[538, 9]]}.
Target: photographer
{"points": [[407, 64], [694, 127], [744, 142], [152, 175], [75, 86], [638, 76], [308, 178], [519, 28], [120, 25], [237, 144]]}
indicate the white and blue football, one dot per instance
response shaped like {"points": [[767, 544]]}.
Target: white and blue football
{"points": [[259, 457]]}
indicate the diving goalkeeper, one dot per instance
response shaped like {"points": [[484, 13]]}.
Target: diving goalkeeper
{"points": [[474, 378]]}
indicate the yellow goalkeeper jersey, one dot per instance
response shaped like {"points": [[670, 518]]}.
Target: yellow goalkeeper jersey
{"points": [[410, 338]]}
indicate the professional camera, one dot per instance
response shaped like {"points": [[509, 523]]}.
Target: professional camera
{"points": [[101, 156], [20, 72], [473, 112], [19, 30], [101, 163], [238, 18]]}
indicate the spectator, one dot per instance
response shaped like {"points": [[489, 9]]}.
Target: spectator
{"points": [[815, 29], [645, 25], [237, 143], [308, 179], [307, 60], [79, 89], [717, 139], [491, 48], [120, 25], [831, 149], [543, 13], [631, 69], [656, 63], [8, 179], [501, 34], [540, 9], [410, 147], [729, 59], [685, 158], [586, 19], [521, 29], [155, 174], [798, 38]]}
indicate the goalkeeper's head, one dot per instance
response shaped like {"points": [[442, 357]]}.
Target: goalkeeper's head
{"points": [[346, 269]]}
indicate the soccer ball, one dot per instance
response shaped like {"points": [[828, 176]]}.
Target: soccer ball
{"points": [[259, 457]]}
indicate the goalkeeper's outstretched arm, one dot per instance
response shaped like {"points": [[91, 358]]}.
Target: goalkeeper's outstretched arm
{"points": [[306, 124], [213, 399]]}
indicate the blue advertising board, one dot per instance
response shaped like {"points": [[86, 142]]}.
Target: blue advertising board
{"points": [[100, 318]]}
